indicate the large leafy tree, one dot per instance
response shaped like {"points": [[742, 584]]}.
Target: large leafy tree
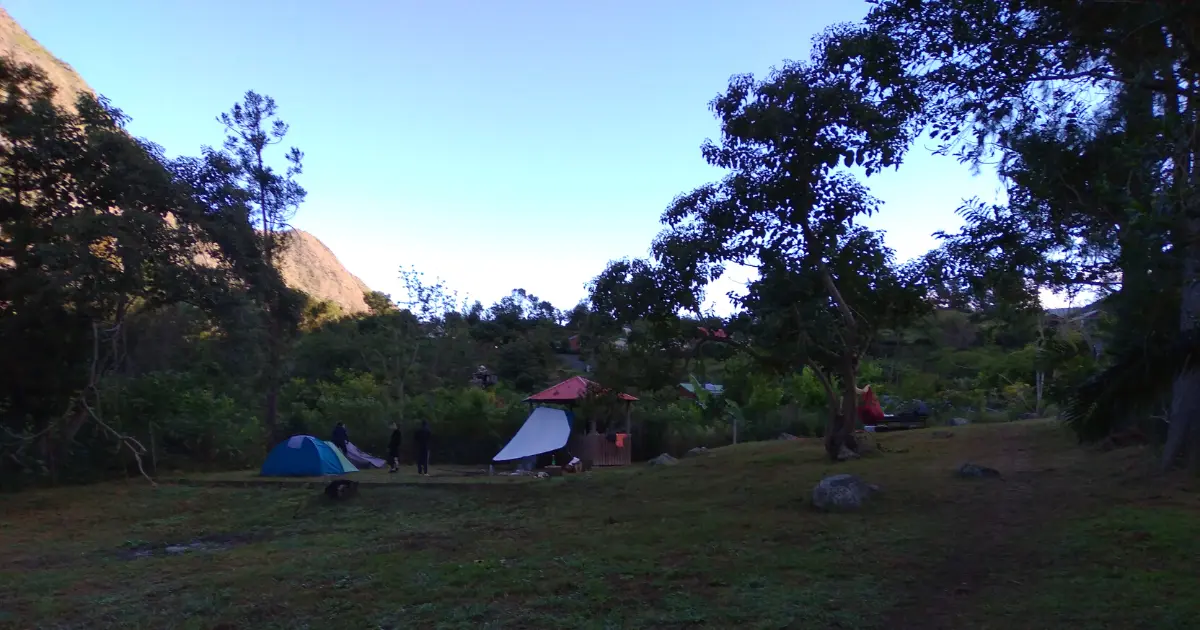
{"points": [[1091, 107], [789, 208], [88, 235]]}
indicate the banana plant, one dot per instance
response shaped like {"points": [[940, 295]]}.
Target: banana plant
{"points": [[708, 401]]}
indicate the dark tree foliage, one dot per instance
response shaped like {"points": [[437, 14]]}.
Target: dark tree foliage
{"points": [[1091, 107], [93, 228], [379, 302]]}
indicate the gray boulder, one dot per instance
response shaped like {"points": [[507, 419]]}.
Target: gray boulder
{"points": [[975, 471], [663, 460], [843, 492], [787, 436], [958, 422], [699, 450]]}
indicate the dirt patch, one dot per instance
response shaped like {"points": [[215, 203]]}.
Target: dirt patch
{"points": [[633, 590], [990, 525], [203, 544], [417, 541], [44, 561]]}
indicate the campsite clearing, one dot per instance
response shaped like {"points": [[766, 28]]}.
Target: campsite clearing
{"points": [[1067, 536]]}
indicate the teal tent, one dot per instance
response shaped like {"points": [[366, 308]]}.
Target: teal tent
{"points": [[305, 456]]}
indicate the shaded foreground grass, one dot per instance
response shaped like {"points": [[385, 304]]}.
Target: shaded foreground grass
{"points": [[1068, 537]]}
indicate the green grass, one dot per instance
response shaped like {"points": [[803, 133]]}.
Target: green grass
{"points": [[1128, 567], [1068, 537]]}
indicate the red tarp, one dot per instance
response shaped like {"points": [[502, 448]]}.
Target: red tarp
{"points": [[570, 390], [869, 411]]}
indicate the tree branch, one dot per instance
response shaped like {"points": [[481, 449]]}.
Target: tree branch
{"points": [[135, 447], [1154, 86], [830, 394]]}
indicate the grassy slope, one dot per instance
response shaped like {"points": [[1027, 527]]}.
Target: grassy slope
{"points": [[1069, 537]]}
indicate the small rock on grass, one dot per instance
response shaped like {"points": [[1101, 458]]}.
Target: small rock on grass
{"points": [[699, 450], [843, 492], [663, 460], [975, 471], [846, 454]]}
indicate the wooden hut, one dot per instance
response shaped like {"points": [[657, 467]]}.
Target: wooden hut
{"points": [[586, 442]]}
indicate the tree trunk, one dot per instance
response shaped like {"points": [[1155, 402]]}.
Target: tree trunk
{"points": [[834, 423], [839, 437], [1037, 405], [1179, 112], [1183, 432], [153, 449], [274, 361], [842, 423]]}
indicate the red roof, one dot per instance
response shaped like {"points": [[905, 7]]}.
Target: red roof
{"points": [[570, 390]]}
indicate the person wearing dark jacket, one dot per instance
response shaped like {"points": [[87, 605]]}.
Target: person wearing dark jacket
{"points": [[394, 449], [341, 436], [421, 441]]}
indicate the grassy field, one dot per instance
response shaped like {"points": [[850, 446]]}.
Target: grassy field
{"points": [[1068, 537], [438, 475]]}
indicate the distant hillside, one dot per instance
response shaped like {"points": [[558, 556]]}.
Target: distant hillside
{"points": [[1088, 311], [307, 264]]}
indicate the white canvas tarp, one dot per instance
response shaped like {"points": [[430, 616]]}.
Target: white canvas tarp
{"points": [[362, 459], [545, 430]]}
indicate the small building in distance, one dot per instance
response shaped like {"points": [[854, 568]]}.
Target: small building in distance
{"points": [[687, 390], [484, 378]]}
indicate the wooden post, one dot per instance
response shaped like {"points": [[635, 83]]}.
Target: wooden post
{"points": [[628, 416]]}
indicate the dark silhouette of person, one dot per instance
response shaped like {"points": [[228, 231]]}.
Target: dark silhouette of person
{"points": [[394, 449], [421, 440], [341, 436]]}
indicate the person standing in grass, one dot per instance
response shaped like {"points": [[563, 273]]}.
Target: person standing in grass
{"points": [[341, 436], [421, 440], [394, 449]]}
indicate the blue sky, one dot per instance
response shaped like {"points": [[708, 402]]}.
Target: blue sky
{"points": [[493, 144]]}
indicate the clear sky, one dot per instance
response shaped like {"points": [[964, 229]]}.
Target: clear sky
{"points": [[496, 145]]}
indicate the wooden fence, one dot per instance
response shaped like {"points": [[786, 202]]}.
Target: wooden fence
{"points": [[596, 448]]}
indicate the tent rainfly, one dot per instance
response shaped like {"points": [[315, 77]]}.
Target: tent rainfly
{"points": [[546, 429], [361, 458]]}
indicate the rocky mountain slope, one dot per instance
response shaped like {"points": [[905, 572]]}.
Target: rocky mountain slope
{"points": [[306, 263], [17, 45]]}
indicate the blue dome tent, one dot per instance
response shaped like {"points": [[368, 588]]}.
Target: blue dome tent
{"points": [[305, 456]]}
